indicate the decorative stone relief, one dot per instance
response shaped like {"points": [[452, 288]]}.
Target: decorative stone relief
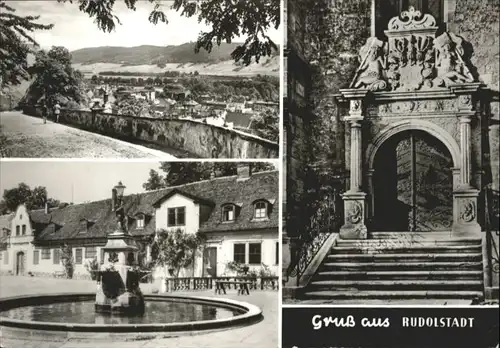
{"points": [[468, 211], [413, 58], [465, 101], [355, 106], [416, 106], [355, 215], [411, 19], [449, 124]]}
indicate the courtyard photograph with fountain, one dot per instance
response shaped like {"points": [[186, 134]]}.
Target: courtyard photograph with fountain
{"points": [[186, 256]]}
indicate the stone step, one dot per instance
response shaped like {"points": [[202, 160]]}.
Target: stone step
{"points": [[403, 257], [394, 249], [413, 294], [441, 235], [407, 242], [407, 266], [397, 285], [415, 275]]}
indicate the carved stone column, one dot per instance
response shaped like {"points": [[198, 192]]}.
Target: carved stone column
{"points": [[465, 196], [465, 150], [369, 181], [355, 199]]}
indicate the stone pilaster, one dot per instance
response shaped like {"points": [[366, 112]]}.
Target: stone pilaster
{"points": [[465, 150], [355, 199], [465, 196]]}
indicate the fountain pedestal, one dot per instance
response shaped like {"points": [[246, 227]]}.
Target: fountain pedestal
{"points": [[118, 288]]}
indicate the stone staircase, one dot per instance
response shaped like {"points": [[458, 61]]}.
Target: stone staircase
{"points": [[400, 266]]}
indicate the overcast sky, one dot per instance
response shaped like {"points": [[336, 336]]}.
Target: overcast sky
{"points": [[76, 182], [74, 29]]}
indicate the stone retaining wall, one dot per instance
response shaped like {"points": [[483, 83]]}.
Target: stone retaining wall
{"points": [[194, 137]]}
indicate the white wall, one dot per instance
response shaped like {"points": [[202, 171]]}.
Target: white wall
{"points": [[225, 248], [19, 243], [192, 214]]}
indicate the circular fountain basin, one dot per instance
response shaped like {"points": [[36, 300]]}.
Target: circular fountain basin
{"points": [[163, 313]]}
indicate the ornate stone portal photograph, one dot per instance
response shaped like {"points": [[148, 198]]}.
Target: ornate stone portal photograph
{"points": [[391, 118], [149, 254]]}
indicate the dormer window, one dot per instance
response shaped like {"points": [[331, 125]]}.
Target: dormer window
{"points": [[83, 226], [228, 212], [260, 210], [177, 216], [139, 222]]}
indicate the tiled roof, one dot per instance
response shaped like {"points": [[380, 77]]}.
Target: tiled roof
{"points": [[64, 223]]}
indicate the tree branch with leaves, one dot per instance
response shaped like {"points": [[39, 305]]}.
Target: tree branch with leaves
{"points": [[176, 249], [16, 44]]}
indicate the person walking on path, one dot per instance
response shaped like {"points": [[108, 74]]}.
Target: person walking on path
{"points": [[57, 111], [44, 112]]}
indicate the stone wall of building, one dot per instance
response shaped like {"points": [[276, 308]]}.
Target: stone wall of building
{"points": [[477, 21], [196, 138], [334, 55]]}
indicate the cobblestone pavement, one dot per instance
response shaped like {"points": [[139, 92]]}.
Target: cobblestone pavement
{"points": [[260, 335], [28, 137]]}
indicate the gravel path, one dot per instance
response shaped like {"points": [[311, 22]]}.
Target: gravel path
{"points": [[28, 137]]}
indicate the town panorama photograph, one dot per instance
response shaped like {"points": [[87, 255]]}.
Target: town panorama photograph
{"points": [[140, 79], [140, 173]]}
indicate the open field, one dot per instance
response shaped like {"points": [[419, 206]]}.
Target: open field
{"points": [[226, 68]]}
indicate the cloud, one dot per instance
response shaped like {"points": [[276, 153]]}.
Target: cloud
{"points": [[74, 29]]}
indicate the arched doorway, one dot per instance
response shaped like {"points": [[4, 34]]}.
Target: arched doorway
{"points": [[20, 263], [412, 184]]}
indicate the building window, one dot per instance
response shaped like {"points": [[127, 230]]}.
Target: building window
{"points": [[78, 256], [254, 253], [45, 254], [387, 9], [24, 230], [83, 226], [260, 210], [1, 255], [90, 252], [277, 260], [36, 257], [57, 256], [228, 212], [239, 255], [177, 216], [18, 230], [6, 258], [140, 221]]}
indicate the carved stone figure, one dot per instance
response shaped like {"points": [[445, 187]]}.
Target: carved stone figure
{"points": [[428, 68], [468, 211], [393, 75], [120, 219], [449, 64], [370, 72], [355, 214]]}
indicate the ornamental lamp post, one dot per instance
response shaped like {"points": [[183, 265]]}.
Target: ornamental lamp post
{"points": [[120, 189]]}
